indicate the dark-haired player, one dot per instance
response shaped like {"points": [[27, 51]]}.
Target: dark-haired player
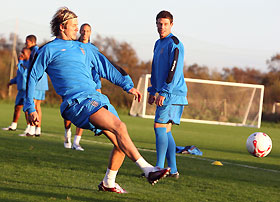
{"points": [[168, 81]]}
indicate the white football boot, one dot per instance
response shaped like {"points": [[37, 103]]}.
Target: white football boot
{"points": [[12, 127], [77, 147]]}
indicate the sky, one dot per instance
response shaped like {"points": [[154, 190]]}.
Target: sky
{"points": [[215, 33]]}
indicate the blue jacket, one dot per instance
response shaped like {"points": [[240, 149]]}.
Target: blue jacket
{"points": [[96, 77], [20, 78], [167, 77], [69, 65]]}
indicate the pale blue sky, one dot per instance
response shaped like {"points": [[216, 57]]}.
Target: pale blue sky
{"points": [[215, 33]]}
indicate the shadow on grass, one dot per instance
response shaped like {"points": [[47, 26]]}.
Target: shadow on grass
{"points": [[48, 195]]}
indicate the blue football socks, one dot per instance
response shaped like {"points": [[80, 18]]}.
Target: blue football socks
{"points": [[161, 146], [171, 153]]}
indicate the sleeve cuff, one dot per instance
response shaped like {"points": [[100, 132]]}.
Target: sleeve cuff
{"points": [[30, 111], [127, 87], [164, 94], [151, 91]]}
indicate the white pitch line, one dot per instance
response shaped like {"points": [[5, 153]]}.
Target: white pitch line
{"points": [[182, 155]]}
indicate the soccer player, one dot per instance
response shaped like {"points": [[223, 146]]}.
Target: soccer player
{"points": [[41, 88], [20, 80], [85, 32], [68, 64], [167, 80]]}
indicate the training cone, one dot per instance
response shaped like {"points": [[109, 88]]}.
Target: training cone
{"points": [[217, 163]]}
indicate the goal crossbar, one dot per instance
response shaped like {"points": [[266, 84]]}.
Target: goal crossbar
{"points": [[240, 108]]}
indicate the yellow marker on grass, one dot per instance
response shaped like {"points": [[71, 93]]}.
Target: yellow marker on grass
{"points": [[217, 163]]}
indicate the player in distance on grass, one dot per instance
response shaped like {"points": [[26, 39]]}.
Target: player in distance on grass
{"points": [[20, 80], [69, 64], [167, 80], [40, 90]]}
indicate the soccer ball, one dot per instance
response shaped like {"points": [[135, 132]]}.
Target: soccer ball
{"points": [[259, 144]]}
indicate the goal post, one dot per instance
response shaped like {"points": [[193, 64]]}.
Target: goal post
{"points": [[211, 102]]}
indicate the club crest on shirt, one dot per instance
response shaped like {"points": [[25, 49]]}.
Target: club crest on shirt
{"points": [[63, 50], [161, 50], [94, 103], [83, 51]]}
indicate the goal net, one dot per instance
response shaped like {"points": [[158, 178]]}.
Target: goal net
{"points": [[211, 102]]}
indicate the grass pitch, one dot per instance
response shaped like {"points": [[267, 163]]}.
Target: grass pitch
{"points": [[40, 169]]}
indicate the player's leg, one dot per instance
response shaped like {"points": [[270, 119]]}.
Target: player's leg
{"points": [[76, 144], [30, 129], [171, 153], [115, 162], [17, 109], [67, 136], [17, 113], [39, 112], [16, 116], [160, 128], [27, 122], [175, 116], [90, 114], [161, 143], [105, 120]]}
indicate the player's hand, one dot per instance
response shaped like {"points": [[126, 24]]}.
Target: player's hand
{"points": [[151, 99], [33, 118], [136, 93], [159, 100]]}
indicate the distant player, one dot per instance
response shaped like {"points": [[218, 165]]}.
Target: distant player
{"points": [[20, 80], [85, 32], [168, 81], [41, 88], [69, 64]]}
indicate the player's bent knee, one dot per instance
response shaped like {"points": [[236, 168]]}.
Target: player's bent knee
{"points": [[120, 127], [118, 149]]}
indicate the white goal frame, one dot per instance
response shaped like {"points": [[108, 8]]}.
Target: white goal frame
{"points": [[143, 114]]}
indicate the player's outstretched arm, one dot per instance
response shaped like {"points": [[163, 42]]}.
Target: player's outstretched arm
{"points": [[136, 93], [109, 71]]}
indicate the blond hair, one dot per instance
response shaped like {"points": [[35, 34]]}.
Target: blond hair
{"points": [[61, 16]]}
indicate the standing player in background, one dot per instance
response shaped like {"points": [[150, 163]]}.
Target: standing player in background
{"points": [[168, 81], [20, 80], [69, 64], [85, 32], [41, 87]]}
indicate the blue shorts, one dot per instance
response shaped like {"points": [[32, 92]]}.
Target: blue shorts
{"points": [[79, 113], [20, 99], [169, 114], [39, 95]]}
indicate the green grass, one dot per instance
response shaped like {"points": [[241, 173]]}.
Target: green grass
{"points": [[40, 169]]}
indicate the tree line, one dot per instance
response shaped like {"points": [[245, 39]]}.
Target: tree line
{"points": [[124, 55]]}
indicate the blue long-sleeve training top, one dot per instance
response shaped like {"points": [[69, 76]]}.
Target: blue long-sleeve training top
{"points": [[43, 83], [167, 77], [69, 65], [111, 72], [96, 77], [20, 78]]}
